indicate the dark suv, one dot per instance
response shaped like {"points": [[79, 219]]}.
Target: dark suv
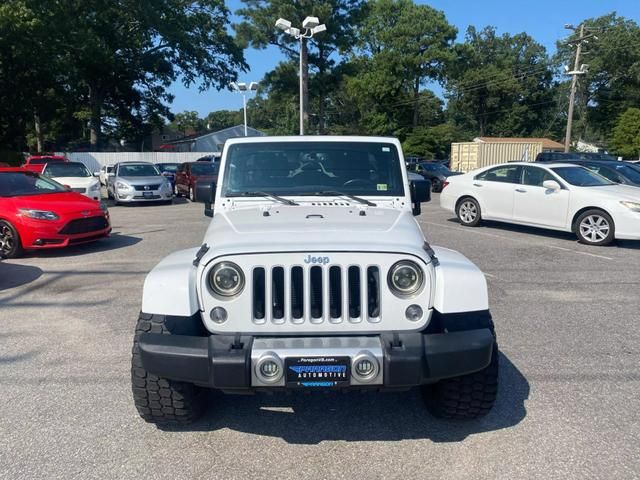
{"points": [[618, 172]]}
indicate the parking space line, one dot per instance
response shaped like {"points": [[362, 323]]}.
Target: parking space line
{"points": [[520, 240]]}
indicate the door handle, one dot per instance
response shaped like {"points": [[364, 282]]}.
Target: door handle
{"points": [[521, 190], [477, 184]]}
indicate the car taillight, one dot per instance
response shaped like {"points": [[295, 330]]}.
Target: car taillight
{"points": [[444, 184]]}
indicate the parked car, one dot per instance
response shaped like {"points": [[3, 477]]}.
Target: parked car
{"points": [[617, 172], [105, 172], [168, 170], [313, 275], [138, 182], [568, 156], [558, 196], [75, 176], [189, 172], [39, 213], [214, 157], [36, 163], [436, 172]]}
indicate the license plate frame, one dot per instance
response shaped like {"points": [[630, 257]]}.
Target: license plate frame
{"points": [[317, 372], [147, 194]]}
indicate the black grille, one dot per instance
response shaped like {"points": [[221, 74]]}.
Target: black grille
{"points": [[84, 225], [147, 188]]}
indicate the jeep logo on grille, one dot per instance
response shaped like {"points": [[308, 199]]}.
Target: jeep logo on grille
{"points": [[320, 260]]}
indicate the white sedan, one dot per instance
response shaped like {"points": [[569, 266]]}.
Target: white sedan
{"points": [[554, 195], [75, 176]]}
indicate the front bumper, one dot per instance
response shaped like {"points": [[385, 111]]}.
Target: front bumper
{"points": [[131, 196], [229, 363]]}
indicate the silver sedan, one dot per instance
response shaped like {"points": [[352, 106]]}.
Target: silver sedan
{"points": [[138, 182]]}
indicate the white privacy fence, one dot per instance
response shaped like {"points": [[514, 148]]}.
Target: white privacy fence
{"points": [[94, 160]]}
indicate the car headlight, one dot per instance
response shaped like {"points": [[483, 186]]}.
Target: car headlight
{"points": [[94, 186], [39, 214], [165, 184], [634, 206], [405, 278], [123, 186], [226, 279]]}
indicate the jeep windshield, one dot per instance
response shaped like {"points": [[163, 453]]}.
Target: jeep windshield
{"points": [[313, 168]]}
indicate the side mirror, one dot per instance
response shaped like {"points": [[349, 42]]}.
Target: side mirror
{"points": [[111, 174], [206, 193], [551, 185], [420, 192], [96, 174]]}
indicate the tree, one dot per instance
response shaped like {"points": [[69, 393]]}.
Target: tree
{"points": [[612, 82], [119, 58], [222, 119], [432, 142], [188, 122], [626, 134], [340, 16], [500, 85]]}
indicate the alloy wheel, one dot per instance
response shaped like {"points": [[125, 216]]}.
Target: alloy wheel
{"points": [[468, 212], [7, 240], [594, 228]]}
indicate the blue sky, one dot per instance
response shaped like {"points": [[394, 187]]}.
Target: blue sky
{"points": [[542, 19]]}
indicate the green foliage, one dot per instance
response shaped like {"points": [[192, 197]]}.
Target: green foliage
{"points": [[188, 123], [500, 85], [433, 142], [626, 134], [222, 119]]}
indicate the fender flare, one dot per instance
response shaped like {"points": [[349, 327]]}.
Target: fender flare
{"points": [[170, 288], [460, 286]]}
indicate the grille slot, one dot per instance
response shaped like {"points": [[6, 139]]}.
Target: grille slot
{"points": [[84, 225], [142, 188], [258, 294], [316, 294]]}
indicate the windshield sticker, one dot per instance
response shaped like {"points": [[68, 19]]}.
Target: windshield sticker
{"points": [[382, 187], [386, 149]]}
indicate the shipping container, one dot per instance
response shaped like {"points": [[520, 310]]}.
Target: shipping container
{"points": [[467, 156]]}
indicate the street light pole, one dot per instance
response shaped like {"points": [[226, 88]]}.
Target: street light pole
{"points": [[310, 26], [243, 88]]}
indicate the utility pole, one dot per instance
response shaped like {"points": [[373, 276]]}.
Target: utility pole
{"points": [[577, 70]]}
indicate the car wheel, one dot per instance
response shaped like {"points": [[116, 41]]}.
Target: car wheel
{"points": [[10, 245], [161, 400], [468, 212], [595, 227], [176, 192], [192, 196]]}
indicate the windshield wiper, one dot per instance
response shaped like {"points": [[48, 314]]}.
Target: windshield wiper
{"points": [[282, 200], [364, 201]]}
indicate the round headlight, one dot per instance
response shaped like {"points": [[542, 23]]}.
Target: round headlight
{"points": [[405, 278], [226, 279]]}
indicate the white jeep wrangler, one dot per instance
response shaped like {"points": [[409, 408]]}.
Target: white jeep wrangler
{"points": [[313, 275]]}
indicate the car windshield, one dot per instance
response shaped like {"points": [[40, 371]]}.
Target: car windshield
{"points": [[630, 171], [581, 177], [309, 168], [168, 167], [15, 184], [435, 167], [203, 168], [71, 169], [138, 170]]}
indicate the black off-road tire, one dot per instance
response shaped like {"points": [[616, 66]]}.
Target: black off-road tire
{"points": [[466, 397], [160, 400]]}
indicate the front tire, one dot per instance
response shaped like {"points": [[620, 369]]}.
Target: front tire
{"points": [[466, 397], [160, 400], [192, 196], [595, 227], [10, 243], [468, 212]]}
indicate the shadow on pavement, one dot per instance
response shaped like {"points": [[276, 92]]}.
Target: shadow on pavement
{"points": [[311, 419], [14, 275], [543, 232], [113, 242]]}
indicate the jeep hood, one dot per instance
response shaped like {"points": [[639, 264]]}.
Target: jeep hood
{"points": [[313, 229]]}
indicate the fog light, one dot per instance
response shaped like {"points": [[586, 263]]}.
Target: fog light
{"points": [[218, 315], [269, 368], [365, 367], [413, 313]]}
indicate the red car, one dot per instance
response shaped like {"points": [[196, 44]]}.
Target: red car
{"points": [[189, 172], [36, 163], [39, 213]]}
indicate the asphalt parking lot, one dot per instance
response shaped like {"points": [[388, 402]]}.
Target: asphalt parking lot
{"points": [[569, 404]]}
